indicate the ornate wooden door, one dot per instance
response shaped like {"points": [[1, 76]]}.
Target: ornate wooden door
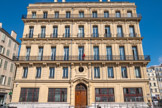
{"points": [[80, 96]]}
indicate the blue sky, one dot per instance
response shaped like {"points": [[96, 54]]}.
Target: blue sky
{"points": [[150, 25]]}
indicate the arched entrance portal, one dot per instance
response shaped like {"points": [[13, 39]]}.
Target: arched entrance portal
{"points": [[80, 96]]}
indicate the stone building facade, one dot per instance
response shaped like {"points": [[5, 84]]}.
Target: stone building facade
{"points": [[8, 48], [81, 54]]}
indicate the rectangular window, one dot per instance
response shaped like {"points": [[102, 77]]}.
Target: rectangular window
{"points": [[55, 32], [124, 72], [81, 31], [25, 74], [133, 95], [110, 72], [2, 80], [118, 15], [8, 53], [119, 31], [129, 14], [29, 95], [68, 14], [15, 46], [107, 31], [122, 53], [131, 31], [40, 55], [81, 14], [45, 14], [57, 95], [53, 53], [28, 49], [137, 72], [104, 95], [66, 53], [106, 14], [1, 49], [81, 53], [52, 72], [135, 53], [33, 14], [65, 72], [5, 65], [31, 32], [95, 31], [67, 31], [9, 81], [96, 72], [11, 68], [94, 14], [109, 52], [3, 38], [9, 43], [56, 14], [38, 75], [96, 52], [43, 32], [1, 62]]}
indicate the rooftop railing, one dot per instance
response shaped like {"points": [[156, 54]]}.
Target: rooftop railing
{"points": [[85, 58]]}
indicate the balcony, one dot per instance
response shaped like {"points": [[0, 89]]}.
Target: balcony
{"points": [[86, 58], [77, 16]]}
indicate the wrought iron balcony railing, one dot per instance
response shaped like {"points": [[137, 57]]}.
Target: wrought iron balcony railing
{"points": [[85, 58], [54, 35], [64, 16], [66, 35], [42, 35]]}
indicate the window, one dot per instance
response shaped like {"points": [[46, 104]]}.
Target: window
{"points": [[67, 31], [68, 14], [43, 32], [104, 95], [1, 62], [122, 53], [40, 55], [9, 81], [52, 72], [9, 43], [81, 31], [38, 75], [155, 90], [2, 50], [110, 72], [33, 14], [94, 14], [53, 53], [66, 53], [5, 65], [124, 72], [137, 72], [56, 14], [65, 72], [2, 80], [119, 31], [95, 31], [11, 68], [28, 49], [129, 14], [15, 46], [150, 84], [81, 14], [107, 31], [25, 74], [81, 53], [45, 14], [31, 31], [8, 53], [109, 52], [57, 95], [96, 72], [131, 31], [154, 84], [135, 52], [106, 14], [29, 95], [133, 95], [96, 52], [55, 32], [3, 38], [118, 15]]}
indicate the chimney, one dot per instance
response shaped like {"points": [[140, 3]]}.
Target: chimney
{"points": [[55, 0], [13, 34], [108, 0], [63, 0], [100, 0], [0, 25]]}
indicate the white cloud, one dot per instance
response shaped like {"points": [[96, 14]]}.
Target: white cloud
{"points": [[160, 59]]}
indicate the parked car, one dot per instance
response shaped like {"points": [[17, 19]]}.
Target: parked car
{"points": [[160, 103]]}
